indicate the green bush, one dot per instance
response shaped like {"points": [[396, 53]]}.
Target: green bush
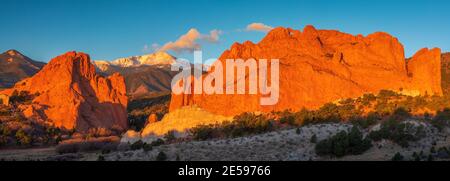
{"points": [[298, 131], [23, 139], [170, 136], [397, 157], [147, 147], [288, 118], [161, 156], [344, 143], [203, 132], [242, 125], [313, 139], [100, 158], [398, 132], [386, 94], [137, 145], [157, 142], [442, 119], [365, 122]]}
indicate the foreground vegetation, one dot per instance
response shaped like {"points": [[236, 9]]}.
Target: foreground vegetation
{"points": [[385, 116], [388, 109]]}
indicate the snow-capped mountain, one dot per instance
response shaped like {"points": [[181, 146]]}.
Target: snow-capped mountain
{"points": [[158, 58], [144, 74]]}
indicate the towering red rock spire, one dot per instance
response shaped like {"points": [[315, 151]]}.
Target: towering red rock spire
{"points": [[71, 95]]}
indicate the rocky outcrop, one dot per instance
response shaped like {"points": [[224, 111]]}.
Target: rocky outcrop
{"points": [[69, 94], [424, 69], [153, 118], [321, 66], [445, 70], [180, 121], [4, 99]]}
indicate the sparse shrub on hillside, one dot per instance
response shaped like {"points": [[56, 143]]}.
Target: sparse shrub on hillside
{"points": [[366, 99], [157, 142], [304, 116], [4, 130], [397, 157], [416, 157], [16, 130], [443, 115], [343, 143], [400, 114], [329, 113], [288, 118], [398, 132], [170, 136], [313, 139], [203, 132], [3, 141], [365, 122], [161, 156], [386, 94], [430, 158], [298, 131], [244, 124], [147, 147], [101, 158], [249, 123], [23, 139], [442, 119], [137, 145]]}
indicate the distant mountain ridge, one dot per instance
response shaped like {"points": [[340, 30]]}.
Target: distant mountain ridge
{"points": [[158, 58], [14, 67], [144, 75]]}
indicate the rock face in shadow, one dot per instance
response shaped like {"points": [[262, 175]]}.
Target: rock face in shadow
{"points": [[69, 94], [445, 62], [321, 66]]}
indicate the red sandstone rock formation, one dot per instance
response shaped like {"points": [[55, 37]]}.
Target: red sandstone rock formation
{"points": [[321, 66], [423, 69], [72, 95], [153, 118]]}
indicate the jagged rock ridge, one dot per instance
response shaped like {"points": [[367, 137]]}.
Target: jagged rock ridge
{"points": [[321, 66]]}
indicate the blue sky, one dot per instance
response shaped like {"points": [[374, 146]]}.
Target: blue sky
{"points": [[109, 29]]}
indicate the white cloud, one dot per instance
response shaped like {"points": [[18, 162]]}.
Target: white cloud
{"points": [[213, 36], [258, 27], [152, 48], [189, 41]]}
